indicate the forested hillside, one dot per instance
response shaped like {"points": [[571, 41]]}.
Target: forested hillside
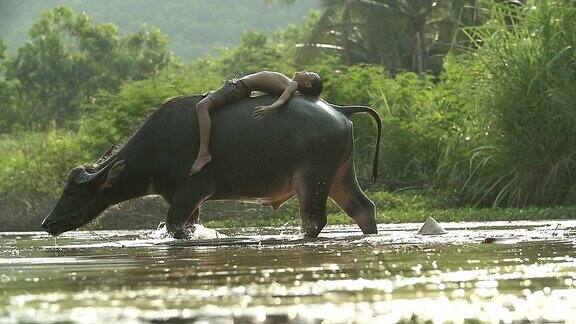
{"points": [[194, 27]]}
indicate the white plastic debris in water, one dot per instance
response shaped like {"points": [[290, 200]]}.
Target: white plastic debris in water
{"points": [[431, 227]]}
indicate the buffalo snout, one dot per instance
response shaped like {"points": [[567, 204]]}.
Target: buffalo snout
{"points": [[51, 227]]}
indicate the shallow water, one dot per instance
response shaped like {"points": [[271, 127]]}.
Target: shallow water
{"points": [[272, 275]]}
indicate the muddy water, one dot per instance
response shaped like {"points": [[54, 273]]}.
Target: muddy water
{"points": [[528, 272]]}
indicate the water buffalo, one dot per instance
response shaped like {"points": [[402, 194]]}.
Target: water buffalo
{"points": [[305, 149]]}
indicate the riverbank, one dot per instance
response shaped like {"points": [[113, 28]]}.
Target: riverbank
{"points": [[401, 207], [407, 207]]}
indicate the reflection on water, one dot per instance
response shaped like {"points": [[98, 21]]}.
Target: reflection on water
{"points": [[272, 275]]}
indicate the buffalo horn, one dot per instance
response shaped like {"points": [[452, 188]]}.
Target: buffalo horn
{"points": [[105, 155], [86, 177]]}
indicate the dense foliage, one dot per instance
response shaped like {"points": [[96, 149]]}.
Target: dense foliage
{"points": [[528, 156], [495, 128]]}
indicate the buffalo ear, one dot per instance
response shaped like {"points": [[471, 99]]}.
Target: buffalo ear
{"points": [[113, 174]]}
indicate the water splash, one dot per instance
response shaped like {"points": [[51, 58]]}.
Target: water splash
{"points": [[195, 231]]}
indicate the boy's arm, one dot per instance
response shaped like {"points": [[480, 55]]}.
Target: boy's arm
{"points": [[260, 111], [288, 92]]}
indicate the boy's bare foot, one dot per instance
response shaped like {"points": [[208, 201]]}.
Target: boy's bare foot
{"points": [[200, 162]]}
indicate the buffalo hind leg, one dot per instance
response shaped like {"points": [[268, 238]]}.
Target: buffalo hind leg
{"points": [[194, 217], [312, 194], [346, 192]]}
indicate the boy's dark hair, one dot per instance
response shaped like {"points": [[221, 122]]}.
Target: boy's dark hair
{"points": [[315, 89]]}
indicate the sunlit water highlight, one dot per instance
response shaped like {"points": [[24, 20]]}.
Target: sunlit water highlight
{"points": [[273, 275]]}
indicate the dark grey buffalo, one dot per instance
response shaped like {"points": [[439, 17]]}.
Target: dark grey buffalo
{"points": [[305, 150]]}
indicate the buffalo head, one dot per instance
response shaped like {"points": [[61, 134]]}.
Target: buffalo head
{"points": [[84, 197]]}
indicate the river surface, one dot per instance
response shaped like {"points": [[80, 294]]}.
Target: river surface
{"points": [[490, 272]]}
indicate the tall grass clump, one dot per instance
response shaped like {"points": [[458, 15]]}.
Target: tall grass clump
{"points": [[529, 155]]}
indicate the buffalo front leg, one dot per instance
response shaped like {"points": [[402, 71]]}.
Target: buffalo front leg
{"points": [[346, 192], [184, 208], [312, 194]]}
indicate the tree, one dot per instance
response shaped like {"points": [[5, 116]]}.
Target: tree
{"points": [[69, 59], [2, 50], [253, 54], [400, 34], [8, 90]]}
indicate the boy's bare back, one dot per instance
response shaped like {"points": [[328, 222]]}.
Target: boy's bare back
{"points": [[268, 81]]}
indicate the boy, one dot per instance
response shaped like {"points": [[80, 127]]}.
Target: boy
{"points": [[236, 89]]}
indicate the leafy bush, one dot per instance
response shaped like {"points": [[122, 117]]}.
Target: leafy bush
{"points": [[37, 163]]}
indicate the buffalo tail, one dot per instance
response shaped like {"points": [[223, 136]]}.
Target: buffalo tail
{"points": [[351, 110]]}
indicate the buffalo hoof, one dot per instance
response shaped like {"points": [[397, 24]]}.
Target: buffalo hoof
{"points": [[181, 233]]}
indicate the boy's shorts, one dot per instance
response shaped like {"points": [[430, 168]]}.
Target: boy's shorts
{"points": [[230, 91]]}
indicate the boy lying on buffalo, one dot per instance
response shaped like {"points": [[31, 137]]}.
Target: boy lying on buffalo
{"points": [[236, 89]]}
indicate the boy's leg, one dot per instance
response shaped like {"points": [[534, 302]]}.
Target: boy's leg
{"points": [[203, 108]]}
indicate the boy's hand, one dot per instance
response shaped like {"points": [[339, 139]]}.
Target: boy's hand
{"points": [[260, 111]]}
